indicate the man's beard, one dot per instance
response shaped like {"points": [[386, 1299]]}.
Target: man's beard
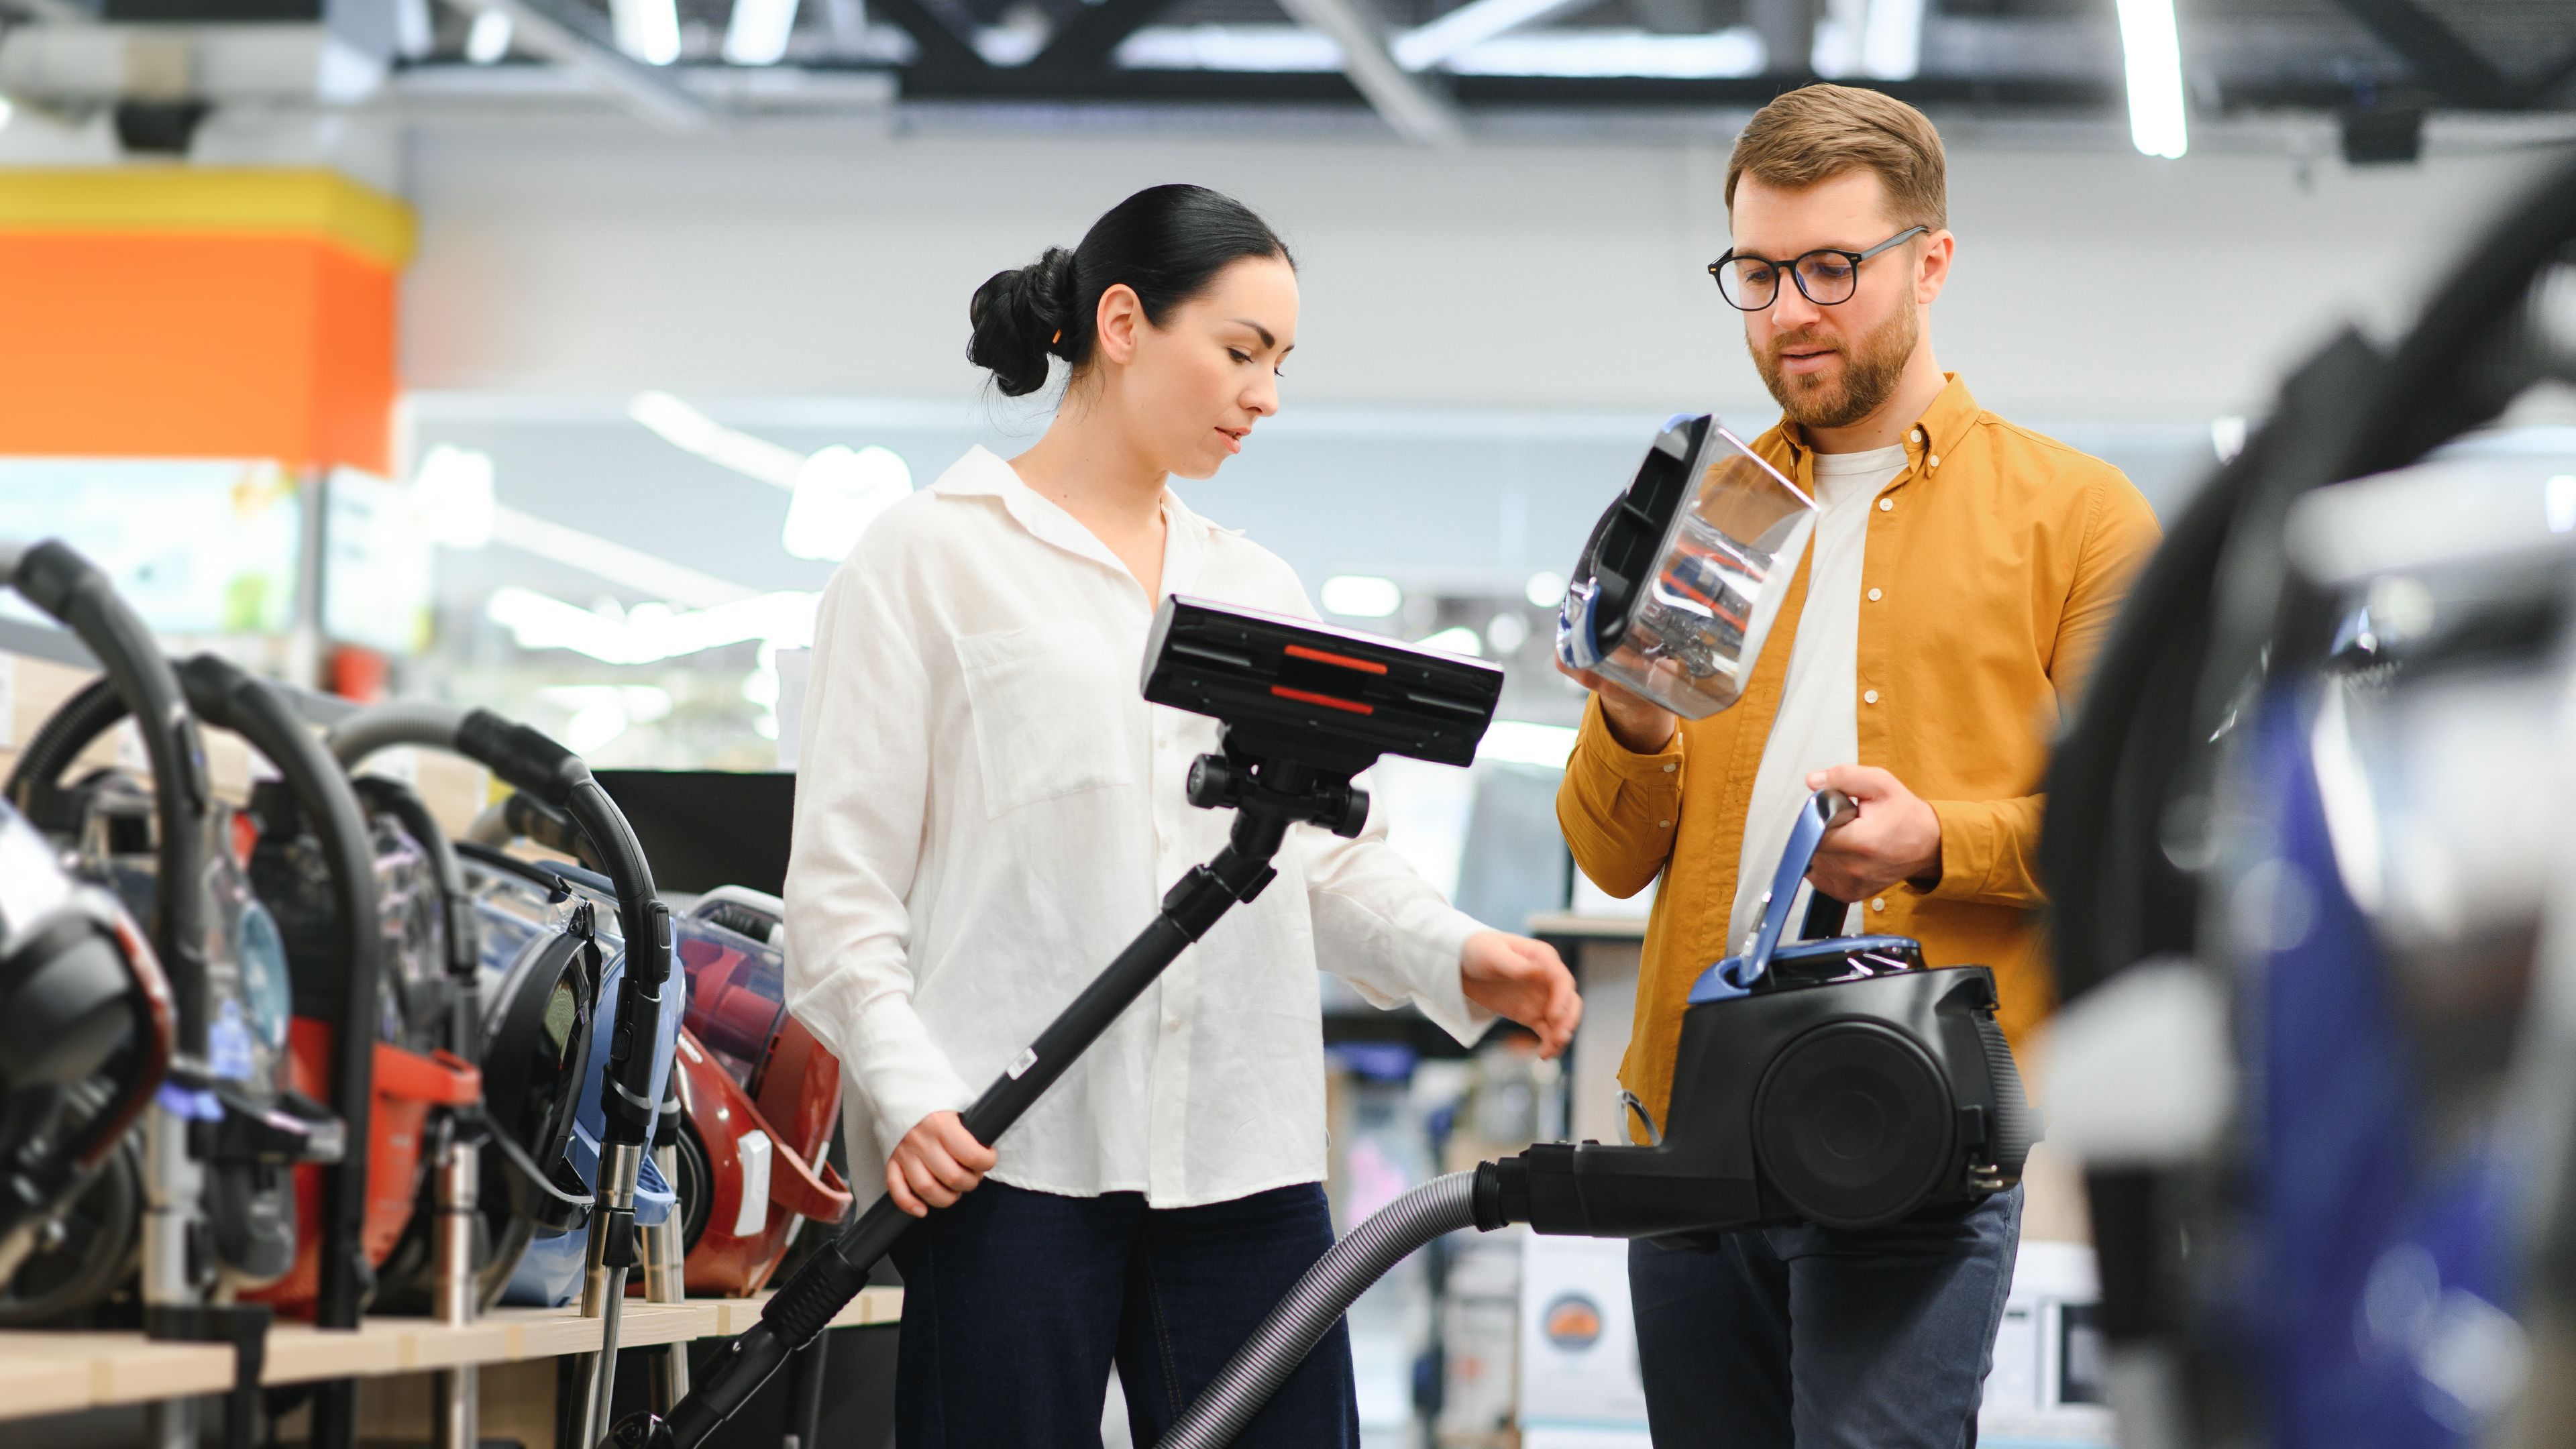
{"points": [[1870, 373]]}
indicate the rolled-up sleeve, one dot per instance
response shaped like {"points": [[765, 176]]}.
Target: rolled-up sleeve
{"points": [[1617, 807], [863, 751], [1384, 929]]}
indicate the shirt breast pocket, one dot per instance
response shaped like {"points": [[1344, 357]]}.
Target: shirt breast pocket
{"points": [[1048, 712]]}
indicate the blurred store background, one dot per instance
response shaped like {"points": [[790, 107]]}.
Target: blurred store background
{"points": [[631, 314]]}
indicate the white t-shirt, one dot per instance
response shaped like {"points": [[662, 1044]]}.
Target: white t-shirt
{"points": [[987, 811], [1818, 725]]}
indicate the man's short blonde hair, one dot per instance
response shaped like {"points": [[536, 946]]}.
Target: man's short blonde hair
{"points": [[1819, 132]]}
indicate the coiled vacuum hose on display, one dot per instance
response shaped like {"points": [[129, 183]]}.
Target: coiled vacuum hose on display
{"points": [[1442, 1205]]}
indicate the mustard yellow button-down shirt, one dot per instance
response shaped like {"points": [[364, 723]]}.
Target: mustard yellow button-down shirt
{"points": [[1994, 565]]}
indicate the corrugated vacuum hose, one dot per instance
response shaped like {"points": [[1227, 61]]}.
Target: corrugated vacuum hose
{"points": [[1442, 1205]]}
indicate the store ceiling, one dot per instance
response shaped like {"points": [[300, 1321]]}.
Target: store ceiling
{"points": [[2001, 55]]}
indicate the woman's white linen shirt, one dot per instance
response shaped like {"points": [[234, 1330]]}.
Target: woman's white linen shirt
{"points": [[987, 811]]}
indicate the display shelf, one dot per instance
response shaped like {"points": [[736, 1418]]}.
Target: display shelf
{"points": [[62, 1372]]}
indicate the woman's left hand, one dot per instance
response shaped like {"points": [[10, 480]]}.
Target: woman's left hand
{"points": [[1525, 980]]}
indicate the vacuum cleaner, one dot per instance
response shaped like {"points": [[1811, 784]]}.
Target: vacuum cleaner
{"points": [[87, 1029], [1837, 1081], [2307, 833], [319, 870], [760, 1100], [436, 1264], [1304, 708], [639, 1023], [1674, 592], [216, 1211]]}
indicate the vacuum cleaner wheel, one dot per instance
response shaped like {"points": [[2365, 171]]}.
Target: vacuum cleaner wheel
{"points": [[1853, 1125], [92, 1245], [696, 1187]]}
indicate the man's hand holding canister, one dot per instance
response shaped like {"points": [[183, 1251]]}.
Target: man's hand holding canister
{"points": [[1641, 726], [1896, 837]]}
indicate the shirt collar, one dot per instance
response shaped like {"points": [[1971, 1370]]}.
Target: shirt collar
{"points": [[1939, 430], [983, 473]]}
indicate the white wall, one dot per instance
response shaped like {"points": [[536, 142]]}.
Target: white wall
{"points": [[595, 258]]}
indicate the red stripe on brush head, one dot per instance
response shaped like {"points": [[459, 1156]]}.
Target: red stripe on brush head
{"points": [[1344, 661], [1326, 700]]}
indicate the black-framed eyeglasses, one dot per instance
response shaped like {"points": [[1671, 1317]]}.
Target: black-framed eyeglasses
{"points": [[1826, 276]]}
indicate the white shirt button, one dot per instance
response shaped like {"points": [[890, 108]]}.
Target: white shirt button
{"points": [[1885, 504], [1918, 435], [1668, 769], [1935, 460], [1869, 696], [1663, 825], [1873, 596], [1878, 904]]}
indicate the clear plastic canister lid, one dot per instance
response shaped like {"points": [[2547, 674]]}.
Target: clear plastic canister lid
{"points": [[1677, 589]]}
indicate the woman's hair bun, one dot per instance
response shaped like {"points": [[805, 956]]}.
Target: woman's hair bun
{"points": [[1017, 315]]}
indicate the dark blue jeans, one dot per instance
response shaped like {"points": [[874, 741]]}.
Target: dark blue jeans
{"points": [[1810, 1338], [1016, 1303]]}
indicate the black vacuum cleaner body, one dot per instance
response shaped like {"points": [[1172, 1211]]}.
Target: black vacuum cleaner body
{"points": [[1838, 1081]]}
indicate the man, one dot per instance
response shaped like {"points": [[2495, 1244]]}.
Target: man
{"points": [[1961, 575]]}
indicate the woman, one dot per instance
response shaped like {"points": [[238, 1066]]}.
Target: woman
{"points": [[988, 811]]}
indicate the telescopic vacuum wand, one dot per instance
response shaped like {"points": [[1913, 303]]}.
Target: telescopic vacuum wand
{"points": [[1304, 709]]}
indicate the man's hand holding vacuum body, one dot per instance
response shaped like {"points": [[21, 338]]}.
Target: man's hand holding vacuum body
{"points": [[1511, 976], [1895, 838]]}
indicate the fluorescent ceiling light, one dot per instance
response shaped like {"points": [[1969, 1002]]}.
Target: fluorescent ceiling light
{"points": [[648, 30], [1891, 39], [757, 33], [839, 492], [1425, 46], [1293, 49], [1251, 49], [692, 431], [1520, 742], [1361, 596], [488, 38], [644, 573], [1581, 53], [601, 712], [2153, 52], [1456, 639], [2558, 502], [451, 496], [650, 633]]}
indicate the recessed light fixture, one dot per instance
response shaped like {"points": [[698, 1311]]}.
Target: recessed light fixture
{"points": [[757, 34], [839, 492], [488, 38], [1544, 590], [1361, 596], [1457, 639]]}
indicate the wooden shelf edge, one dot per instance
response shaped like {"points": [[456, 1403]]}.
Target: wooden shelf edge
{"points": [[44, 1372]]}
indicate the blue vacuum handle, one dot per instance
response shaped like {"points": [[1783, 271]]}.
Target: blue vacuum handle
{"points": [[1823, 811]]}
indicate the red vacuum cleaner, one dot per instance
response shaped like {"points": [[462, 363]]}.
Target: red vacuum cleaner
{"points": [[760, 1098]]}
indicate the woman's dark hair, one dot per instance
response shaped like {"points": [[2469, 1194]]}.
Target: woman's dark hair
{"points": [[1166, 242]]}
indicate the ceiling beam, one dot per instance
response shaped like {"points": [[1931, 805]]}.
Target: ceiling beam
{"points": [[944, 30], [1413, 106], [56, 12], [1091, 38], [577, 37], [1473, 23], [2450, 66]]}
